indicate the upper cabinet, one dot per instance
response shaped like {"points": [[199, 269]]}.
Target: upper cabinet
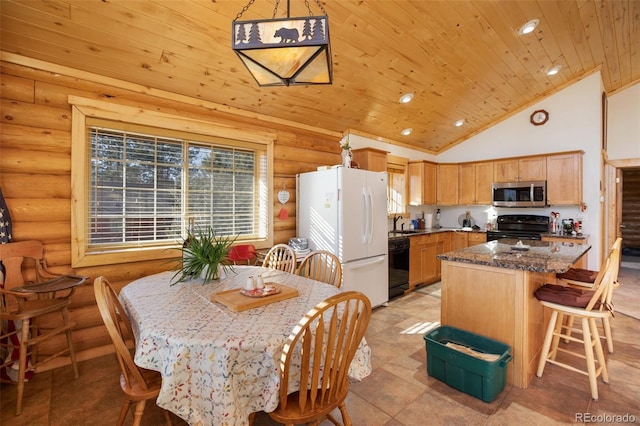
{"points": [[422, 183], [474, 183], [564, 179], [447, 185], [371, 159], [471, 183], [520, 169]]}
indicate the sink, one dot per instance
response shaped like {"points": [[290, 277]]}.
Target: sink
{"points": [[405, 231]]}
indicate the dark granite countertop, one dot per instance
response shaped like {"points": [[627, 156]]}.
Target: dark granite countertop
{"points": [[542, 256], [566, 236], [401, 234]]}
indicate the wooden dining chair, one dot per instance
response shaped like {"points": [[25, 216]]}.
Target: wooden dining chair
{"points": [[24, 309], [138, 384], [281, 257], [320, 350], [597, 306], [321, 265], [584, 278]]}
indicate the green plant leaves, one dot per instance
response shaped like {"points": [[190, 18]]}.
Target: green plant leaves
{"points": [[204, 252]]}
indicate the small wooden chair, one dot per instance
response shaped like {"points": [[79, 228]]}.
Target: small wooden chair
{"points": [[138, 384], [327, 337], [596, 307], [27, 303], [281, 257], [322, 266]]}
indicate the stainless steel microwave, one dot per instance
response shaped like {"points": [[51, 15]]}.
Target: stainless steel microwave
{"points": [[520, 194]]}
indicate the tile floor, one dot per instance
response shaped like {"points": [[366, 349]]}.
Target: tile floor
{"points": [[398, 392]]}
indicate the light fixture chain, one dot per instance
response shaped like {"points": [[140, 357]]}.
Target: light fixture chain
{"points": [[244, 9], [324, 12], [275, 10]]}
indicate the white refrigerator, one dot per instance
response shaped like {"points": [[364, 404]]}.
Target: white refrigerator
{"points": [[344, 211]]}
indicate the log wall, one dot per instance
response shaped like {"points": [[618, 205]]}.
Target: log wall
{"points": [[631, 209], [35, 175]]}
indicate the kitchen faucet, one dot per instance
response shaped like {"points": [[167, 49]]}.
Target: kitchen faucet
{"points": [[395, 221]]}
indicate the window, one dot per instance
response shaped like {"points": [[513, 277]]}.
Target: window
{"points": [[144, 182], [397, 185]]}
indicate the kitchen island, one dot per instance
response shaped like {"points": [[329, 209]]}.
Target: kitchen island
{"points": [[488, 289]]}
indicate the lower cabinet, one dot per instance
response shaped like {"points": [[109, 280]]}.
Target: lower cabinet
{"points": [[477, 238], [424, 266], [459, 240]]}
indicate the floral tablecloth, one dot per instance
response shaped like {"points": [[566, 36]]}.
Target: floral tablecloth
{"points": [[218, 366]]}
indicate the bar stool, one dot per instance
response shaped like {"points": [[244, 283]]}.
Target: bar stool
{"points": [[566, 302], [584, 278]]}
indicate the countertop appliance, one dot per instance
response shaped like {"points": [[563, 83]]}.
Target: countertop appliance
{"points": [[520, 226], [344, 211], [398, 266], [520, 194]]}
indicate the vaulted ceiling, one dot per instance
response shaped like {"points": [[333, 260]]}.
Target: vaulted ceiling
{"points": [[461, 59]]}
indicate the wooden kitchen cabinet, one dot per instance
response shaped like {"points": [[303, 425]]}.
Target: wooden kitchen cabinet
{"points": [[371, 159], [447, 185], [564, 179], [422, 183], [477, 238], [424, 266], [520, 169], [474, 183], [466, 239], [467, 184], [459, 240]]}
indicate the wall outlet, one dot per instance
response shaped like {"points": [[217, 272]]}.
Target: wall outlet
{"points": [[582, 217]]}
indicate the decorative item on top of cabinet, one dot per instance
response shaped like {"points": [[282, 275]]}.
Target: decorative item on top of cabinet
{"points": [[371, 159], [520, 169], [422, 182]]}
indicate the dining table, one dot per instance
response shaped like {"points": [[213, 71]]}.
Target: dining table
{"points": [[219, 364]]}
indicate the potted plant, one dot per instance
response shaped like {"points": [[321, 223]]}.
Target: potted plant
{"points": [[204, 255]]}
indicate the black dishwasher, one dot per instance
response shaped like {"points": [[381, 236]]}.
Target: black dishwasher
{"points": [[398, 266]]}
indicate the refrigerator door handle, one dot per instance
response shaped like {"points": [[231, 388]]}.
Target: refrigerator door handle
{"points": [[360, 265], [370, 212], [365, 222]]}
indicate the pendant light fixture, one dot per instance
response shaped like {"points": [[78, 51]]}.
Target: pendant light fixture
{"points": [[285, 51]]}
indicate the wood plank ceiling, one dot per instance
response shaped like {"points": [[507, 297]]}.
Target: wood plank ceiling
{"points": [[461, 59]]}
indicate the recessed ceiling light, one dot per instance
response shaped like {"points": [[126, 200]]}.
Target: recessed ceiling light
{"points": [[406, 98], [554, 70], [459, 123], [407, 131], [528, 27]]}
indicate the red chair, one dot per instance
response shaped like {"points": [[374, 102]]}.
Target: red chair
{"points": [[242, 253]]}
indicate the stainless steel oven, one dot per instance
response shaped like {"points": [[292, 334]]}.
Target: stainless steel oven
{"points": [[398, 266]]}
